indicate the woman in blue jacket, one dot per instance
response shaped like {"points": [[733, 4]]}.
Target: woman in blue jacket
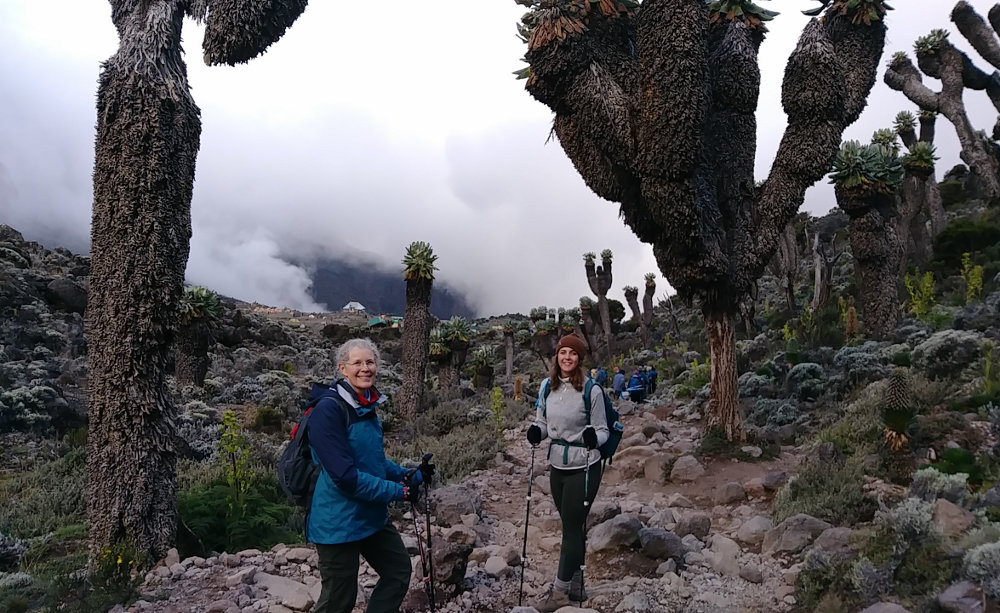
{"points": [[349, 516]]}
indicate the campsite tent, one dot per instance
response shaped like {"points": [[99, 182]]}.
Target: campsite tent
{"points": [[353, 306]]}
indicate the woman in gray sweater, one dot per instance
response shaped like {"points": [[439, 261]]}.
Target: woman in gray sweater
{"points": [[575, 460]]}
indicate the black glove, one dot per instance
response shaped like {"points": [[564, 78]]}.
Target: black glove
{"points": [[590, 437], [411, 493], [427, 469], [534, 434]]}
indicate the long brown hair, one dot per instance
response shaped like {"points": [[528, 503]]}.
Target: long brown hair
{"points": [[575, 378]]}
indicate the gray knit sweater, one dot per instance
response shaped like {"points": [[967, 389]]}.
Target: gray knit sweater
{"points": [[562, 417]]}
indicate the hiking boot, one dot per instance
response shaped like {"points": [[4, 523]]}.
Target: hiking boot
{"points": [[576, 591], [553, 600]]}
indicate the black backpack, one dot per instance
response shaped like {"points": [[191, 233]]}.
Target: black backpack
{"points": [[297, 474], [615, 427]]}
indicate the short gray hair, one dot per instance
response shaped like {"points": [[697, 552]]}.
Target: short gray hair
{"points": [[356, 343]]}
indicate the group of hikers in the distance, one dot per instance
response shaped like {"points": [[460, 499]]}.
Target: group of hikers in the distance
{"points": [[637, 388], [348, 516]]}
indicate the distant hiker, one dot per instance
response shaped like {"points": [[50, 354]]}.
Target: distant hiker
{"points": [[349, 516], [575, 459], [651, 378], [618, 383], [636, 387], [602, 376]]}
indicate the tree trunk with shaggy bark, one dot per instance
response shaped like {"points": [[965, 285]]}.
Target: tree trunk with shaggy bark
{"points": [[416, 344], [508, 346], [785, 265], [877, 252], [191, 359], [148, 135], [725, 414], [656, 108], [599, 280]]}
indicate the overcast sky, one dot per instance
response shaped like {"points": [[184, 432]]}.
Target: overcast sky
{"points": [[366, 127]]}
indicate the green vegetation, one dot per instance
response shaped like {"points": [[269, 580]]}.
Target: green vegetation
{"points": [[972, 275], [921, 291], [831, 492]]}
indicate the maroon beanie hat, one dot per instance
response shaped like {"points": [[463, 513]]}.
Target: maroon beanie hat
{"points": [[574, 342]]}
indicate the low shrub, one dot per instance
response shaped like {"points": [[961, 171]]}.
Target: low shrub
{"points": [[267, 419], [831, 492], [50, 495], [208, 522], [456, 453]]}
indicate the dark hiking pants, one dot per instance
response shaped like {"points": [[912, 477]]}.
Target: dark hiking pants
{"points": [[338, 568], [567, 492]]}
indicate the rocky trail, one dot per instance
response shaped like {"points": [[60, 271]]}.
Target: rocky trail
{"points": [[668, 533]]}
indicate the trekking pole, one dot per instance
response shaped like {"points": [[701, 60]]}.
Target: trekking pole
{"points": [[527, 514], [430, 538], [586, 505], [420, 548]]}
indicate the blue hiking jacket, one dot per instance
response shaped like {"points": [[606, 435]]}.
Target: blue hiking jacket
{"points": [[357, 481]]}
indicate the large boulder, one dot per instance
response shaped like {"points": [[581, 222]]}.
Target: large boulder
{"points": [[451, 502], [946, 353], [793, 534], [618, 532], [660, 544], [980, 315], [67, 295]]}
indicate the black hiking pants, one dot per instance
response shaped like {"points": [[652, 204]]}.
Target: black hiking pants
{"points": [[338, 569], [567, 492]]}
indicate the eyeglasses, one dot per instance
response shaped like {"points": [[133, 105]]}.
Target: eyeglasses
{"points": [[357, 364]]}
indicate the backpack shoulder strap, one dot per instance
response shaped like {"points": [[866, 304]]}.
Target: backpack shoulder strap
{"points": [[543, 396], [587, 389]]}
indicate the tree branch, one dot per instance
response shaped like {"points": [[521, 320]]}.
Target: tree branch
{"points": [[982, 38], [239, 30], [827, 80], [903, 76]]}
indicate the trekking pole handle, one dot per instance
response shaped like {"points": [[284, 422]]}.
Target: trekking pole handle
{"points": [[427, 458]]}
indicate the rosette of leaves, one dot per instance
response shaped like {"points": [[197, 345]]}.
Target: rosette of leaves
{"points": [[538, 313], [418, 263], [897, 59], [545, 327], [572, 314], [438, 348], [550, 21], [931, 43], [905, 121], [199, 304], [924, 115], [858, 11], [484, 356], [865, 169], [920, 159], [650, 278], [456, 330], [521, 337], [740, 10], [897, 409], [887, 138], [606, 254]]}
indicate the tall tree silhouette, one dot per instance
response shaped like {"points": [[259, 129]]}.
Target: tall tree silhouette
{"points": [[148, 133], [655, 106]]}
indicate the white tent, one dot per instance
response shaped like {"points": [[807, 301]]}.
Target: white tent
{"points": [[353, 306]]}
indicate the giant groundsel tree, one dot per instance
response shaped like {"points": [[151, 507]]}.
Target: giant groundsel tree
{"points": [[418, 271], [655, 106], [938, 58], [148, 132]]}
